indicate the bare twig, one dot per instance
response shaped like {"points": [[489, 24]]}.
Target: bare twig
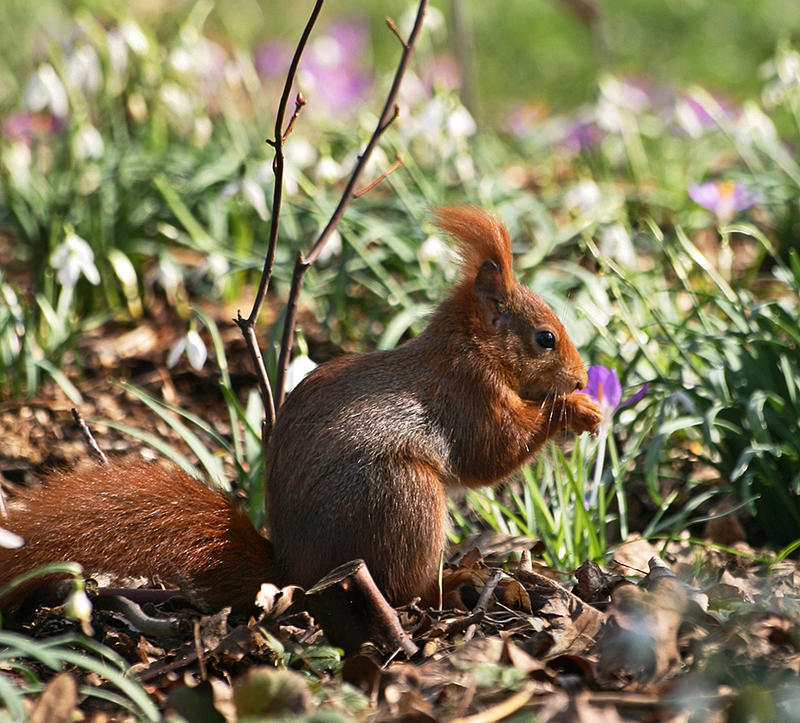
{"points": [[247, 326], [88, 436], [396, 31], [398, 161], [304, 262]]}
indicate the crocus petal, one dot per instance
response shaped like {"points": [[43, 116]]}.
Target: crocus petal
{"points": [[636, 397], [604, 388]]}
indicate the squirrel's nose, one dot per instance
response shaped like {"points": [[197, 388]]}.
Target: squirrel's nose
{"points": [[582, 379]]}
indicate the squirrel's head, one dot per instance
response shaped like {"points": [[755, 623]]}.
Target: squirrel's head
{"points": [[523, 339]]}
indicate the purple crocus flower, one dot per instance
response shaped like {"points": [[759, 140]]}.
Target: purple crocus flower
{"points": [[723, 198], [583, 135], [605, 389], [28, 127]]}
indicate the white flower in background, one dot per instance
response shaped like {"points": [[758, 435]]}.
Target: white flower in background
{"points": [[251, 191], [434, 251], [73, 258], [585, 196], [134, 37], [117, 60], [755, 126], [17, 158], [178, 102], [83, 69], [194, 347], [331, 248], [44, 90], [460, 123], [615, 243], [328, 170], [300, 367], [87, 143], [168, 275], [299, 153]]}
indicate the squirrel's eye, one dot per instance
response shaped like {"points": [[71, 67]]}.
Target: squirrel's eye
{"points": [[545, 339]]}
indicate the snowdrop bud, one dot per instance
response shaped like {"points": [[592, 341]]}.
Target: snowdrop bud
{"points": [[79, 607], [196, 351], [87, 143], [134, 37], [44, 90]]}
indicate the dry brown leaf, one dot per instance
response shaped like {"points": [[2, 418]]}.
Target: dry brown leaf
{"points": [[516, 597], [57, 702], [275, 601]]}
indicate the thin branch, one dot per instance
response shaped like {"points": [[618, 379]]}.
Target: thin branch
{"points": [[396, 31], [304, 262], [398, 161], [247, 326], [299, 102]]}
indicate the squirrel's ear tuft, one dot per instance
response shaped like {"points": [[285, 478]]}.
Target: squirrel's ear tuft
{"points": [[479, 238]]}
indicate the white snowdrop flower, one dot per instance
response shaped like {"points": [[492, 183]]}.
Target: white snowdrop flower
{"points": [[331, 248], [299, 153], [196, 351], [117, 59], [134, 37], [83, 69], [168, 276], [433, 250], [203, 128], [192, 344], [217, 264], [44, 90], [328, 170], [79, 607], [177, 100], [584, 196], [756, 126], [465, 166], [87, 143], [254, 195], [17, 159], [615, 242], [299, 368], [73, 258], [460, 123], [181, 61], [10, 540]]}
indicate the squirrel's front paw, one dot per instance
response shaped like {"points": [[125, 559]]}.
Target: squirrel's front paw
{"points": [[583, 414]]}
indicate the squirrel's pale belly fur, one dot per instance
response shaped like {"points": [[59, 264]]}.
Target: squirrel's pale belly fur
{"points": [[358, 462]]}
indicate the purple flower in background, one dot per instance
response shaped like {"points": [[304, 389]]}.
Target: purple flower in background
{"points": [[27, 127], [331, 73], [272, 59], [524, 119], [723, 198], [442, 73], [583, 135]]}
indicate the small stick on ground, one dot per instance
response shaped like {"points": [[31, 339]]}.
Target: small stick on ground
{"points": [[351, 611], [88, 436], [470, 622]]}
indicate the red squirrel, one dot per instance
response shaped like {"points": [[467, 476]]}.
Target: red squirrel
{"points": [[359, 461]]}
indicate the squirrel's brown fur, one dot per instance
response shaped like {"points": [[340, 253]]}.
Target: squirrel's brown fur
{"points": [[359, 460]]}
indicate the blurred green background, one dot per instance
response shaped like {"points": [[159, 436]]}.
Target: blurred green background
{"points": [[543, 51]]}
